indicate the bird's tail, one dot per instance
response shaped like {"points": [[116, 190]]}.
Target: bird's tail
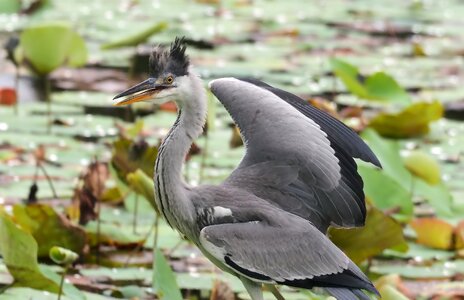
{"points": [[347, 294]]}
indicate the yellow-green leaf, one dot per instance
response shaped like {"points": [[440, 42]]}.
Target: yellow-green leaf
{"points": [[49, 228], [380, 232], [434, 233], [413, 121], [424, 166]]}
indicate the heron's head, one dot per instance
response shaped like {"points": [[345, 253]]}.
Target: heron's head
{"points": [[169, 77]]}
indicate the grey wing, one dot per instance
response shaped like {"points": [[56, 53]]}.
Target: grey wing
{"points": [[289, 160], [295, 254], [274, 253]]}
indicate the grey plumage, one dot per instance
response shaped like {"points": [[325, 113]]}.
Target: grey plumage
{"points": [[266, 222]]}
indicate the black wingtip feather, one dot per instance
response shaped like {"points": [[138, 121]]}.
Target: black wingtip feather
{"points": [[336, 130]]}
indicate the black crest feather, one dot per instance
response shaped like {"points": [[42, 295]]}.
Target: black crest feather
{"points": [[173, 61]]}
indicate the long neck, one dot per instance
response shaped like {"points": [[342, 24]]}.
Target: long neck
{"points": [[170, 187]]}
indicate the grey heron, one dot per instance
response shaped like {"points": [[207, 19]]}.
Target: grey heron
{"points": [[267, 222]]}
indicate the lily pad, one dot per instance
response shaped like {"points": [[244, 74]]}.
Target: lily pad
{"points": [[50, 45]]}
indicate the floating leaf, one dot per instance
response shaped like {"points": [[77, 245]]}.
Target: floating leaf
{"points": [[49, 228], [138, 38], [19, 251], [380, 232], [385, 192], [164, 280], [433, 232], [62, 256], [378, 86], [414, 120], [436, 270], [50, 45], [112, 234], [424, 166]]}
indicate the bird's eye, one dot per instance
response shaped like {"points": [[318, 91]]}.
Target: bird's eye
{"points": [[169, 80]]}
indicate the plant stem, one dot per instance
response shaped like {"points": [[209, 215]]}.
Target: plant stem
{"points": [[155, 242], [65, 271], [137, 248], [136, 208], [98, 194], [16, 87], [272, 288], [50, 182], [47, 90]]}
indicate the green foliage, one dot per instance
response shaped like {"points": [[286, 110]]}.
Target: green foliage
{"points": [[378, 86], [19, 252], [49, 228], [388, 153], [50, 45], [164, 280], [137, 38], [10, 6], [386, 193]]}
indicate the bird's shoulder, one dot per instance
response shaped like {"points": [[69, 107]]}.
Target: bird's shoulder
{"points": [[227, 204]]}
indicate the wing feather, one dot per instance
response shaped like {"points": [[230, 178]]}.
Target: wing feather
{"points": [[317, 176]]}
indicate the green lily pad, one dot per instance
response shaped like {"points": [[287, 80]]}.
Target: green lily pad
{"points": [[51, 45]]}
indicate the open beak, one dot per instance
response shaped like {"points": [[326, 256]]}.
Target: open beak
{"points": [[140, 92]]}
